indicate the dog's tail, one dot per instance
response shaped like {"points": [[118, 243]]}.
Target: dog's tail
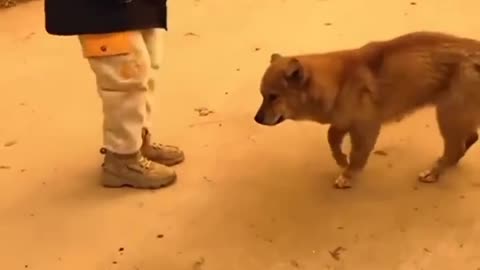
{"points": [[449, 55]]}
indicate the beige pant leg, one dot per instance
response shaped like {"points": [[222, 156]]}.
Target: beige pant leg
{"points": [[154, 40], [123, 83]]}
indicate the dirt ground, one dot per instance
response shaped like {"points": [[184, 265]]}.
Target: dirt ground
{"points": [[248, 197]]}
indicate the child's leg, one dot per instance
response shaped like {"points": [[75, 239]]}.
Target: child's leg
{"points": [[164, 154], [121, 64], [154, 42]]}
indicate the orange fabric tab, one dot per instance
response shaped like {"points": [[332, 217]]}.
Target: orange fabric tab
{"points": [[106, 44]]}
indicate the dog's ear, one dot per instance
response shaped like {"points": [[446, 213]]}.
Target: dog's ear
{"points": [[295, 72], [274, 57]]}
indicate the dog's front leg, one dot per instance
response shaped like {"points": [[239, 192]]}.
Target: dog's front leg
{"points": [[335, 140], [363, 136]]}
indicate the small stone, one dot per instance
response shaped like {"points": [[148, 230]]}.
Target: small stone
{"points": [[198, 264], [380, 153], [327, 24], [203, 111], [10, 143], [191, 34], [294, 263], [29, 36], [336, 253], [121, 249], [160, 236], [413, 3]]}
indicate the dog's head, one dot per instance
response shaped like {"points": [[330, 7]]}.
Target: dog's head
{"points": [[284, 89]]}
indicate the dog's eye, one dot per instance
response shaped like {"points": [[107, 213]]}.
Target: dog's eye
{"points": [[272, 97]]}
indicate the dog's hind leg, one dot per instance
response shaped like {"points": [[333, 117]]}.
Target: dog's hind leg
{"points": [[459, 134]]}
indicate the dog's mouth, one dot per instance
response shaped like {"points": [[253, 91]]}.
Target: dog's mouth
{"points": [[262, 120], [280, 120]]}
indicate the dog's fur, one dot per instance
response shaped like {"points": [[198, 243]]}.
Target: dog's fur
{"points": [[358, 90]]}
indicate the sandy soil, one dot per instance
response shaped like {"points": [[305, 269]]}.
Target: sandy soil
{"points": [[248, 197]]}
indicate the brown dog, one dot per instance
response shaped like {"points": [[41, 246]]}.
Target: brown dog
{"points": [[358, 90]]}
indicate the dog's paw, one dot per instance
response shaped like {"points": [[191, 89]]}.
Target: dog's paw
{"points": [[341, 159], [428, 176], [342, 182]]}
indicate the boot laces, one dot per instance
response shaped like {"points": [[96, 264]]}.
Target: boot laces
{"points": [[144, 163]]}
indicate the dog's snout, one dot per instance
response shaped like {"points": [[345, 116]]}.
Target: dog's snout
{"points": [[259, 118]]}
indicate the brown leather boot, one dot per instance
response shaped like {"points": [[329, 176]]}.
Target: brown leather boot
{"points": [[135, 171], [164, 154]]}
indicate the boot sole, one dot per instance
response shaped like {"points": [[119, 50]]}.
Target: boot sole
{"points": [[172, 162], [113, 181]]}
